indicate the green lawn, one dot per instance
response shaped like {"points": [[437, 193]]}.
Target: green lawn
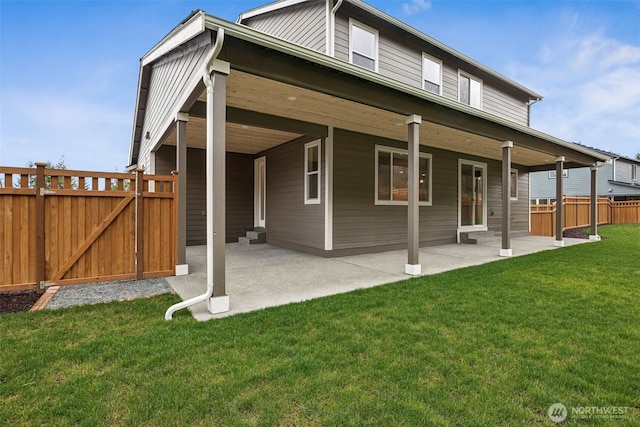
{"points": [[495, 344]]}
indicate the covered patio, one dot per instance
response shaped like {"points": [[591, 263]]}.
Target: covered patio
{"points": [[261, 276]]}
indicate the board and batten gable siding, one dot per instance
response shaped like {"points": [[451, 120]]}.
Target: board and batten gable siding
{"points": [[303, 24], [361, 225], [168, 81], [289, 222], [400, 58], [239, 198]]}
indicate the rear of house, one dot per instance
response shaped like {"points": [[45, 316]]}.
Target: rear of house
{"points": [[318, 96]]}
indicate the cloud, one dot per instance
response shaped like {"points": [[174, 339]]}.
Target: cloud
{"points": [[416, 6], [592, 93]]}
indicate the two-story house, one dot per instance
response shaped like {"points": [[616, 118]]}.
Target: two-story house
{"points": [[337, 129], [618, 179]]}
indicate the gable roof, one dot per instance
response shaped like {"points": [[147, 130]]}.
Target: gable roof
{"points": [[281, 4], [251, 43]]}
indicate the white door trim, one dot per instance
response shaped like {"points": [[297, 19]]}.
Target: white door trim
{"points": [[479, 227]]}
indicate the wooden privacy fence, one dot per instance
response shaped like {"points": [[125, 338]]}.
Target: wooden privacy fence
{"points": [[577, 213], [67, 227]]}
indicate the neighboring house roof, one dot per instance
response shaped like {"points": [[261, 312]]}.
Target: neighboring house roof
{"points": [[536, 147], [271, 7]]}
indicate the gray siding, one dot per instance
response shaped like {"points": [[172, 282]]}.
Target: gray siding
{"points": [[289, 222], [578, 183], [360, 224], [239, 200], [168, 81], [400, 58], [302, 24]]}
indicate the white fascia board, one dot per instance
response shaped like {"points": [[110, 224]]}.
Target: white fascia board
{"points": [[245, 33], [267, 8], [179, 35]]}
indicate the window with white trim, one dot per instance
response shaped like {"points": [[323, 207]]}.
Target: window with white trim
{"points": [[431, 74], [392, 177], [312, 173], [553, 173], [514, 184], [469, 90], [363, 45], [634, 172]]}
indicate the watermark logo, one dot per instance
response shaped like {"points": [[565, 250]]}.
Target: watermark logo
{"points": [[557, 412]]}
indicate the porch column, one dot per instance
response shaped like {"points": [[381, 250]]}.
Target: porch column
{"points": [[594, 204], [216, 184], [559, 201], [506, 199], [182, 268], [413, 266]]}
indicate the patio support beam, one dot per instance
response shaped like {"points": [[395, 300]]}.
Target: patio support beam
{"points": [[182, 268], [559, 202], [216, 184], [593, 236], [506, 199], [413, 266]]}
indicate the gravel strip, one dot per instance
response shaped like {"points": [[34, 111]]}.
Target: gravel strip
{"points": [[92, 293]]}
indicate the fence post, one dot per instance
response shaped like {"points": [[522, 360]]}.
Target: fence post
{"points": [[139, 224], [40, 221]]}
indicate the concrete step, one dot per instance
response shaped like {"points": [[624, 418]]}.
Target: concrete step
{"points": [[479, 237], [253, 237]]}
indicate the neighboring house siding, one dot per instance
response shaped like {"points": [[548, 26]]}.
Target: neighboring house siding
{"points": [[579, 182], [301, 24], [289, 222], [168, 81], [239, 206]]}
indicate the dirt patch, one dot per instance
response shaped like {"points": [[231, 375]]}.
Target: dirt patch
{"points": [[13, 302]]}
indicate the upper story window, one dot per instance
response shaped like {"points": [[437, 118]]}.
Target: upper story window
{"points": [[431, 74], [634, 172], [469, 90], [363, 45], [392, 177]]}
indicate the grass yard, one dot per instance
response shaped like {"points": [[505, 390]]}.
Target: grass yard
{"points": [[495, 344]]}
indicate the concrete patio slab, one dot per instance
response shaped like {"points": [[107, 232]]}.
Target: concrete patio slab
{"points": [[261, 276]]}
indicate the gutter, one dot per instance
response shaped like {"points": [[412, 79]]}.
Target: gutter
{"points": [[206, 76]]}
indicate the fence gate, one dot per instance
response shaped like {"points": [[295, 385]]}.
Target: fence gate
{"points": [[68, 227]]}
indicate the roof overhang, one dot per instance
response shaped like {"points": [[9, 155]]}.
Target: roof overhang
{"points": [[276, 85]]}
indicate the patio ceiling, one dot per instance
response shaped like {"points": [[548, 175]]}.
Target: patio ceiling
{"points": [[249, 92]]}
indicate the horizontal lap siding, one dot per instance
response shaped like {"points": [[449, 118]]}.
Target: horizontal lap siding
{"points": [[400, 62], [168, 81], [302, 24], [519, 207], [358, 222], [502, 105], [288, 220], [239, 205]]}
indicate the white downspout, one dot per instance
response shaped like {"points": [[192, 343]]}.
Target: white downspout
{"points": [[332, 28], [208, 81]]}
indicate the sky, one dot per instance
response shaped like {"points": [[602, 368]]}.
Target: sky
{"points": [[69, 69]]}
